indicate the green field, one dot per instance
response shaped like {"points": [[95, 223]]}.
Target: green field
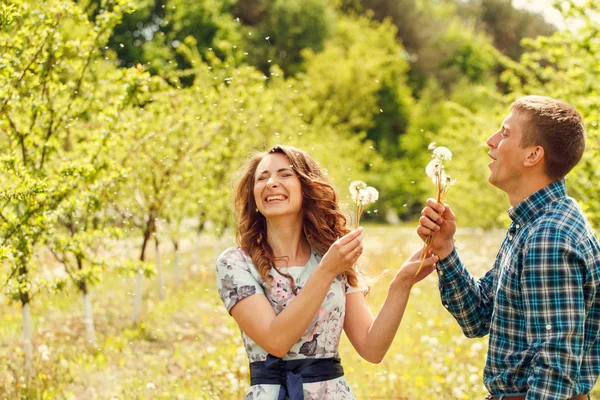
{"points": [[189, 348]]}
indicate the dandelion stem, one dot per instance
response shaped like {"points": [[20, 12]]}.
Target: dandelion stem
{"points": [[429, 239]]}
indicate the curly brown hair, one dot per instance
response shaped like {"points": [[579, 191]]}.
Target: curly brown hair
{"points": [[323, 222]]}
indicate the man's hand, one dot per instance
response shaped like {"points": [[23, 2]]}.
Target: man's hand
{"points": [[438, 220]]}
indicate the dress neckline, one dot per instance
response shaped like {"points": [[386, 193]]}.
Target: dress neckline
{"points": [[310, 262]]}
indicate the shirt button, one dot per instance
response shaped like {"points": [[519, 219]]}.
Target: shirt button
{"points": [[517, 226], [548, 327], [446, 305], [440, 272], [510, 237]]}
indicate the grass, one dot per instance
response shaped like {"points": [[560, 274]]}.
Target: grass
{"points": [[187, 346]]}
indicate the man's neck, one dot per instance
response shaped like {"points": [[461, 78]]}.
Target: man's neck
{"points": [[527, 187]]}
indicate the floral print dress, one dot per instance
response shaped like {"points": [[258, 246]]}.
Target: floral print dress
{"points": [[237, 278]]}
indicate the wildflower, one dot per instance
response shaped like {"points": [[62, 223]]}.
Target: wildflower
{"points": [[362, 195], [44, 352], [442, 182]]}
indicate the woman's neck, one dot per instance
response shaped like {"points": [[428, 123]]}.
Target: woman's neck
{"points": [[287, 241]]}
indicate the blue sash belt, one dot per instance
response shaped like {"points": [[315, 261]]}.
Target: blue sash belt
{"points": [[290, 374]]}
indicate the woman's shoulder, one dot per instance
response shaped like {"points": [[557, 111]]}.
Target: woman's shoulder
{"points": [[234, 256], [234, 252]]}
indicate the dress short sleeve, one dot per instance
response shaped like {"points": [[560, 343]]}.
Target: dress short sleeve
{"points": [[236, 277], [351, 289]]}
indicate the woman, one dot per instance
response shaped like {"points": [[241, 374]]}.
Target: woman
{"points": [[292, 285]]}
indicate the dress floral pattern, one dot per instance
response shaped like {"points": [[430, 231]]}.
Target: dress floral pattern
{"points": [[237, 278]]}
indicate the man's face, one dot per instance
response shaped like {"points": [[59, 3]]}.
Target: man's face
{"points": [[507, 165]]}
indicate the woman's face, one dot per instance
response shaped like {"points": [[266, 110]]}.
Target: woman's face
{"points": [[277, 189]]}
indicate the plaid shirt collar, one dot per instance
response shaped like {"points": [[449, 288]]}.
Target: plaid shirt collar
{"points": [[528, 208]]}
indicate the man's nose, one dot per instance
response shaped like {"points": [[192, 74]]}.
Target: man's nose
{"points": [[492, 141]]}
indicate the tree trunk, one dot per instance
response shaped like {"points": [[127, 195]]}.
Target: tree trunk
{"points": [[88, 318], [27, 337], [177, 261], [139, 277], [137, 297], [198, 253], [22, 279], [159, 271], [222, 243], [88, 315]]}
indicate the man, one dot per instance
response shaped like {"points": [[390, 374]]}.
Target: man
{"points": [[540, 302]]}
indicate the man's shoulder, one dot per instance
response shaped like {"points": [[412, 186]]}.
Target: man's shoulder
{"points": [[563, 218]]}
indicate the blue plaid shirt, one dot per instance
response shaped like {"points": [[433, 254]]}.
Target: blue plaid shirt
{"points": [[540, 303]]}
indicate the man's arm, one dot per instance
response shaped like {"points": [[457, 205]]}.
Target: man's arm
{"points": [[552, 282], [470, 301]]}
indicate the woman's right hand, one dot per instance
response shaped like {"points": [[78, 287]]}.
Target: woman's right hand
{"points": [[343, 253]]}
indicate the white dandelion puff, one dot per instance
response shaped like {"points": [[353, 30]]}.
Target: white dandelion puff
{"points": [[356, 187], [362, 195], [442, 153], [432, 167]]}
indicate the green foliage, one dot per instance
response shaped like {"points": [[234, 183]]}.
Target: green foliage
{"points": [[49, 104], [564, 66], [506, 24], [251, 12], [290, 27], [470, 53], [7, 13], [152, 33]]}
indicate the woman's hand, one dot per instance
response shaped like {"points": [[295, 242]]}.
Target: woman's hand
{"points": [[405, 277], [343, 253]]}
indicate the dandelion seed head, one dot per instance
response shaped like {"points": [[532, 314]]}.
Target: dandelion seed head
{"points": [[357, 186], [442, 153], [367, 196], [432, 167]]}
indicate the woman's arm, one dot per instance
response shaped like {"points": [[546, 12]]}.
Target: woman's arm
{"points": [[373, 336], [277, 333]]}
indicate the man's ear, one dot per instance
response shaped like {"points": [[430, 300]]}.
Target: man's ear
{"points": [[535, 156]]}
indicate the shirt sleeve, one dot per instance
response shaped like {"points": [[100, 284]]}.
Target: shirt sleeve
{"points": [[552, 283], [236, 278], [470, 301]]}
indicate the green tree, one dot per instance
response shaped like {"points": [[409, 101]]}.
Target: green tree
{"points": [[50, 96], [564, 66], [290, 27]]}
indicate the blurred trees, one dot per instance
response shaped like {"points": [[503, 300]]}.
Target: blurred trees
{"points": [[396, 74]]}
